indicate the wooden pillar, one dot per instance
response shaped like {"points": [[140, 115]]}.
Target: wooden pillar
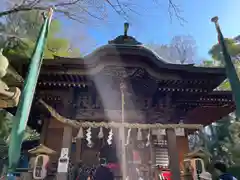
{"points": [[44, 132], [73, 113], [123, 153], [173, 154], [152, 158], [122, 133], [66, 143], [78, 150]]}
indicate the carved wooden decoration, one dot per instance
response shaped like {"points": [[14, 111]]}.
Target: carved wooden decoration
{"points": [[123, 72]]}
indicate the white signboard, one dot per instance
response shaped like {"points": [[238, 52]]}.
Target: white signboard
{"points": [[63, 161], [64, 152], [63, 164]]}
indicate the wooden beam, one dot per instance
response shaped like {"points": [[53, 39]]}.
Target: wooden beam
{"points": [[173, 154]]}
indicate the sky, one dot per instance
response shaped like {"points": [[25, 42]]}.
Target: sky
{"points": [[153, 25]]}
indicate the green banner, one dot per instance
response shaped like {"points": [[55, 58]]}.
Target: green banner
{"points": [[230, 69], [25, 102]]}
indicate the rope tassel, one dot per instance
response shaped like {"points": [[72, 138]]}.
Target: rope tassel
{"points": [[148, 138], [128, 137], [89, 136], [110, 135], [100, 134], [80, 133], [139, 135]]}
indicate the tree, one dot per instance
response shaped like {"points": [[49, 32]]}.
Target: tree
{"points": [[164, 51], [20, 32], [181, 50], [6, 125], [83, 10], [223, 139], [218, 140], [5, 130], [233, 49], [184, 49]]}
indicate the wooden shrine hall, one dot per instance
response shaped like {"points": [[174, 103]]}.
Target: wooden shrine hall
{"points": [[83, 103]]}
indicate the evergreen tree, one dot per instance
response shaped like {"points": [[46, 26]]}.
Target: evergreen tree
{"points": [[19, 33]]}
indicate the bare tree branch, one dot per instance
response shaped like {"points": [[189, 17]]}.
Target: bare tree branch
{"points": [[80, 10], [174, 10], [184, 48]]}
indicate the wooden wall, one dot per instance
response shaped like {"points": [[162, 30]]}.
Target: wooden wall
{"points": [[54, 135], [183, 148]]}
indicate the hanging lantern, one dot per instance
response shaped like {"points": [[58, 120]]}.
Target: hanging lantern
{"points": [[100, 134], [80, 133], [88, 137], [110, 135], [128, 136]]}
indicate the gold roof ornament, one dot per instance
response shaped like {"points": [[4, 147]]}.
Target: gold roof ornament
{"points": [[125, 39], [126, 26], [41, 149]]}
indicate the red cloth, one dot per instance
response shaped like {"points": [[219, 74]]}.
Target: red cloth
{"points": [[136, 156], [113, 165], [166, 175]]}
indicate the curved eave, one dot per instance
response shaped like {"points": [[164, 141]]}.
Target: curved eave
{"points": [[146, 58], [124, 50], [207, 115]]}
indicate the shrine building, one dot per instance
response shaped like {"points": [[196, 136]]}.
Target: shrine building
{"points": [[82, 103]]}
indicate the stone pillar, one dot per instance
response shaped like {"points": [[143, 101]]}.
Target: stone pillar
{"points": [[173, 154], [66, 143]]}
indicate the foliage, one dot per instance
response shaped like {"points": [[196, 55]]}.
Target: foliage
{"points": [[233, 49], [208, 63], [223, 139], [5, 130], [216, 53], [21, 31], [6, 125], [234, 170], [219, 140]]}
